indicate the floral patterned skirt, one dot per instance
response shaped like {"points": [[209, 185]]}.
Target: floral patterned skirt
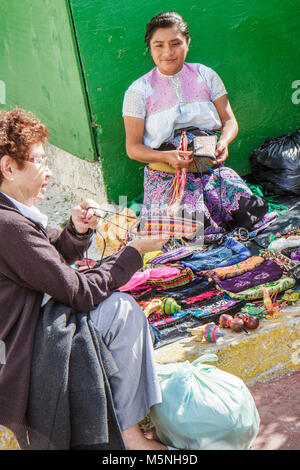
{"points": [[223, 197]]}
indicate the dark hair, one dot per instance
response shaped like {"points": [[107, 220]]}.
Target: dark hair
{"points": [[166, 19], [18, 131]]}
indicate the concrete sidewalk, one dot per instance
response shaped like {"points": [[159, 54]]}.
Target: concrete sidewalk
{"points": [[278, 404], [268, 360]]}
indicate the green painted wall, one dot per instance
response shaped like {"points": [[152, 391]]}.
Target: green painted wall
{"points": [[39, 66], [253, 45]]}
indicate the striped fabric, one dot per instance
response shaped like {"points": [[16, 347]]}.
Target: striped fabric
{"points": [[173, 227], [172, 255], [183, 278], [235, 269]]}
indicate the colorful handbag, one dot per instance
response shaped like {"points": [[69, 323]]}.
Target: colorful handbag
{"points": [[166, 227], [172, 255], [204, 152], [183, 278]]}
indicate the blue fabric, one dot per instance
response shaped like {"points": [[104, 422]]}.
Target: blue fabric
{"points": [[231, 252], [156, 334]]}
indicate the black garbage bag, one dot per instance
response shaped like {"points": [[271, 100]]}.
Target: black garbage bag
{"points": [[275, 165]]}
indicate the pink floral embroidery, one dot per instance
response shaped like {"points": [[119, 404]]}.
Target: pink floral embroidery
{"points": [[192, 88], [163, 95]]}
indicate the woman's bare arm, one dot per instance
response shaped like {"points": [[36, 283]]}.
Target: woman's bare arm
{"points": [[136, 150], [229, 127]]}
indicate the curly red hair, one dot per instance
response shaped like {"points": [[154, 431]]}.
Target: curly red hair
{"points": [[19, 130]]}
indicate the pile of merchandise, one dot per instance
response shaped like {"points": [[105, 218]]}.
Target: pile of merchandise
{"points": [[186, 286]]}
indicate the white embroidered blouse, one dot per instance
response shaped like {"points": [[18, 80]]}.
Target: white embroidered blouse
{"points": [[170, 102]]}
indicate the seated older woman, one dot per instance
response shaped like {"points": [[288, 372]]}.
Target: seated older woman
{"points": [[35, 260]]}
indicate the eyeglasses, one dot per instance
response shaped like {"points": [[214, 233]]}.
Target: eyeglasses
{"points": [[39, 161]]}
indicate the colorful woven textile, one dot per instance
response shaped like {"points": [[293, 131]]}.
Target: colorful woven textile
{"points": [[196, 287], [267, 220], [251, 309], [235, 269], [202, 297], [289, 232], [173, 255], [161, 319], [295, 255], [231, 252], [178, 184], [143, 278], [267, 271], [286, 264], [218, 307], [256, 292], [183, 278], [167, 226], [291, 253], [150, 255], [217, 195]]}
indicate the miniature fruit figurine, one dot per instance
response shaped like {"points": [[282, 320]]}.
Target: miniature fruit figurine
{"points": [[236, 324], [251, 322], [225, 320]]}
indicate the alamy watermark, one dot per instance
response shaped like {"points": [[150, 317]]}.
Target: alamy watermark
{"points": [[2, 353], [296, 94], [163, 221], [2, 92]]}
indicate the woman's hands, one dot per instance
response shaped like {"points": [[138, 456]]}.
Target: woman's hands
{"points": [[221, 151], [83, 216], [136, 150], [147, 244], [178, 159]]}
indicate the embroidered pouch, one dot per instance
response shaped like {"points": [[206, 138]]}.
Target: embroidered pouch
{"points": [[172, 255], [235, 269], [267, 271], [183, 278], [256, 292], [295, 255], [204, 152], [292, 253], [166, 226], [228, 254], [286, 264]]}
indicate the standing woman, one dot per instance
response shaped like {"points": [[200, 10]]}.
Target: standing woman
{"points": [[175, 96]]}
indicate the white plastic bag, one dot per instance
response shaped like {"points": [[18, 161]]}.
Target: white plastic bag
{"points": [[204, 407]]}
